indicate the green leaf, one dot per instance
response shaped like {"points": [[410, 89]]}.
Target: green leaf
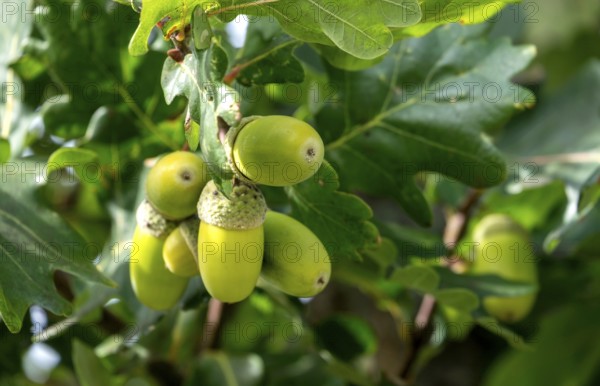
{"points": [[513, 339], [88, 367], [352, 29], [220, 109], [176, 13], [16, 27], [572, 328], [412, 241], [369, 276], [416, 277], [577, 236], [4, 150], [341, 59], [560, 139], [211, 103], [201, 31], [400, 13], [440, 12], [424, 108], [179, 78], [382, 256], [532, 207], [176, 79], [267, 56], [221, 369], [484, 285], [340, 220], [359, 28], [78, 159], [346, 336], [459, 299], [345, 370], [35, 242]]}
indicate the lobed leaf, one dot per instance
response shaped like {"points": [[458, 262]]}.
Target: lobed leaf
{"points": [[439, 12], [34, 243], [339, 219], [267, 56], [425, 108], [560, 139]]}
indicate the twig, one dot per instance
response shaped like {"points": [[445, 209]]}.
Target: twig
{"points": [[456, 226], [212, 326]]}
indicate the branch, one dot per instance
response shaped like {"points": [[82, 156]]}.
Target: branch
{"points": [[456, 226]]}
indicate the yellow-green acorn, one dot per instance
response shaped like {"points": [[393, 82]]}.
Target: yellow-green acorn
{"points": [[275, 150], [503, 248], [295, 260], [153, 284], [178, 257], [231, 241], [175, 182]]}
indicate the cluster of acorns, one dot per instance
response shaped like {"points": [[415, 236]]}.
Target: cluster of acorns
{"points": [[187, 226]]}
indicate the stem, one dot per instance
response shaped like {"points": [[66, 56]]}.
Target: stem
{"points": [[456, 226], [212, 327]]}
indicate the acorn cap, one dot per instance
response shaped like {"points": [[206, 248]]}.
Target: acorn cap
{"points": [[152, 222], [245, 209]]}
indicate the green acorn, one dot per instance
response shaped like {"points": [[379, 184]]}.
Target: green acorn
{"points": [[295, 261], [503, 248], [231, 241], [175, 182], [275, 150]]}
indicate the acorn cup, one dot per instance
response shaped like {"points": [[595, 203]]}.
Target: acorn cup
{"points": [[231, 240]]}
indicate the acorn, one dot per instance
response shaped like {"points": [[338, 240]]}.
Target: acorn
{"points": [[178, 257], [175, 182], [153, 284], [503, 248], [231, 240], [295, 260], [274, 150]]}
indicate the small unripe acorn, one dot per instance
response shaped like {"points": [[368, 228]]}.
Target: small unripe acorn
{"points": [[275, 150], [178, 257], [153, 284], [231, 241], [503, 248], [295, 260], [174, 184]]}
